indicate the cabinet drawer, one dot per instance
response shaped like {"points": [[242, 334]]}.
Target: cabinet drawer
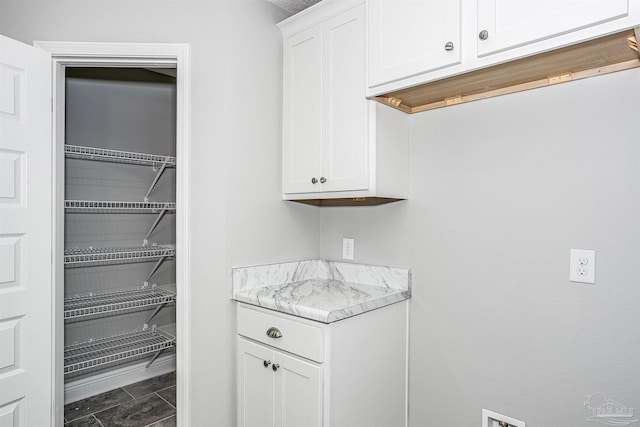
{"points": [[299, 338]]}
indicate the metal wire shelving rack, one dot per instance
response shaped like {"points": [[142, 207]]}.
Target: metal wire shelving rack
{"points": [[82, 306], [96, 353], [88, 256], [158, 162], [104, 206], [143, 342], [117, 156]]}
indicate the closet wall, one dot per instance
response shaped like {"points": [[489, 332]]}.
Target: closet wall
{"points": [[132, 110]]}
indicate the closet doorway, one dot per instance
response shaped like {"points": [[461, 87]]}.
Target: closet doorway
{"points": [[121, 235]]}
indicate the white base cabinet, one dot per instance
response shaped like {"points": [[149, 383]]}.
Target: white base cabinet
{"points": [[350, 373]]}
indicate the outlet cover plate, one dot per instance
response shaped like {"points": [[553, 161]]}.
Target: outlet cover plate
{"points": [[493, 419], [348, 248], [582, 266]]}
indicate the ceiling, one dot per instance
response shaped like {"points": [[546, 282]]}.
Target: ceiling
{"points": [[293, 6]]}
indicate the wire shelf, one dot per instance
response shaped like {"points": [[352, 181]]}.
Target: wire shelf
{"points": [[117, 156], [91, 354], [97, 206], [78, 256], [109, 302]]}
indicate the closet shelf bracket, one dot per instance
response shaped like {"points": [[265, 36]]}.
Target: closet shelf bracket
{"points": [[145, 242], [155, 180], [154, 269]]}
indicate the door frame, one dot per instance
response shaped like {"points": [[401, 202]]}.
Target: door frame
{"points": [[135, 55]]}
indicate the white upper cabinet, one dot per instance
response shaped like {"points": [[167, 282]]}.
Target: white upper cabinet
{"points": [[505, 24], [410, 37], [331, 137]]}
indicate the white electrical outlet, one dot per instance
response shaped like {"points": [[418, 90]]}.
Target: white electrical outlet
{"points": [[348, 248], [493, 419], [582, 266]]}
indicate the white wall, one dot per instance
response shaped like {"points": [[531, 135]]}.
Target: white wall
{"points": [[237, 215], [501, 189]]}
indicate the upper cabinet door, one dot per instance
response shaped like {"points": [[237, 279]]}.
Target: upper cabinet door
{"points": [[411, 37], [505, 24], [302, 125], [345, 148]]}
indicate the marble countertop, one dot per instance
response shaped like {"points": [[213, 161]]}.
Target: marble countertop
{"points": [[320, 290]]}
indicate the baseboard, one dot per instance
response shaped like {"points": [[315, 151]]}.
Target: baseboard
{"points": [[90, 386]]}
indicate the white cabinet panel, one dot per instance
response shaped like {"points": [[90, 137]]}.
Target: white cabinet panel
{"points": [[510, 23], [345, 143], [255, 385], [302, 149], [410, 37], [298, 390], [277, 390]]}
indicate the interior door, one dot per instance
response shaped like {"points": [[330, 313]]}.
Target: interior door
{"points": [[25, 236]]}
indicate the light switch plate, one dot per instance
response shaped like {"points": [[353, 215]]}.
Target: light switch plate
{"points": [[582, 266]]}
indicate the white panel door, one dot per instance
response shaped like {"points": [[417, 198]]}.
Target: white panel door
{"points": [[512, 23], [25, 236], [410, 37], [298, 392], [345, 144], [302, 134], [255, 385]]}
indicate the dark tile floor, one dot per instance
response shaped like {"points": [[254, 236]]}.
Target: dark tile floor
{"points": [[149, 403]]}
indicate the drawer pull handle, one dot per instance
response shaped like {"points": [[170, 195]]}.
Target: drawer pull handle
{"points": [[275, 366], [274, 332], [266, 363]]}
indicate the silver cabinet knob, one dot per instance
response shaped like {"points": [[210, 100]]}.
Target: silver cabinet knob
{"points": [[266, 363], [323, 180], [274, 332], [314, 180], [484, 34], [448, 47], [275, 366]]}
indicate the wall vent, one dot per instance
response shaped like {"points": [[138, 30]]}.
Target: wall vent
{"points": [[493, 419]]}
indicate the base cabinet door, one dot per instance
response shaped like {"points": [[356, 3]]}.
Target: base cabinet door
{"points": [[276, 389], [298, 393], [505, 24], [255, 385]]}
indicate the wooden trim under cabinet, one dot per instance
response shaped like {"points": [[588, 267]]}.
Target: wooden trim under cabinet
{"points": [[600, 56]]}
